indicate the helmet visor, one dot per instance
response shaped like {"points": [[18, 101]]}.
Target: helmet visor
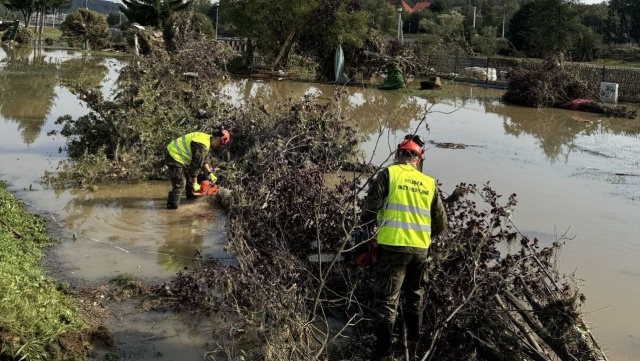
{"points": [[416, 138]]}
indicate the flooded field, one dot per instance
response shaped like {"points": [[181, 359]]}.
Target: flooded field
{"points": [[577, 178]]}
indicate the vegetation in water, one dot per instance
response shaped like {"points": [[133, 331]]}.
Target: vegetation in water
{"points": [[555, 84], [158, 98], [483, 303]]}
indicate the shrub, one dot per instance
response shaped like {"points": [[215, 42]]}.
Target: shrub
{"points": [[88, 26], [185, 26], [24, 36]]}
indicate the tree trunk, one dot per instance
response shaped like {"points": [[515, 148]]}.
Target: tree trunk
{"points": [[43, 12], [27, 17], [39, 21], [284, 49]]}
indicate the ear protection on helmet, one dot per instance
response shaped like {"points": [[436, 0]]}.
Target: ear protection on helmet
{"points": [[416, 138], [223, 134]]}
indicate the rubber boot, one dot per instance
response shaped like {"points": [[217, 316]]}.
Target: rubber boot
{"points": [[384, 340], [188, 190], [414, 326], [173, 200]]}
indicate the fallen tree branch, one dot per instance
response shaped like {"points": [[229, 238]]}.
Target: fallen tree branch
{"points": [[13, 230]]}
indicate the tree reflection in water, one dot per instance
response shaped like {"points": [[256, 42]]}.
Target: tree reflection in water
{"points": [[555, 129], [27, 91], [28, 85], [370, 109]]}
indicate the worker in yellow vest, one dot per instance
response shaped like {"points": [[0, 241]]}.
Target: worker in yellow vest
{"points": [[404, 204], [186, 157]]}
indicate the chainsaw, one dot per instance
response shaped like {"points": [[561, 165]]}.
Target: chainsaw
{"points": [[364, 252], [207, 188]]}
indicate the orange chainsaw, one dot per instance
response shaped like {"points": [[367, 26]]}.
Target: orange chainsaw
{"points": [[363, 255], [207, 188]]}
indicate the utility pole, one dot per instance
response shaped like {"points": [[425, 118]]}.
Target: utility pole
{"points": [[86, 4], [474, 17], [400, 35], [216, 3], [504, 16]]}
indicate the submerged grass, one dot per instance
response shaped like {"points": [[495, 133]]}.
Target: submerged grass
{"points": [[33, 313], [53, 33]]}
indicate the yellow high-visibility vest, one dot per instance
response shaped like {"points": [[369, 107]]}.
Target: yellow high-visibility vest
{"points": [[180, 148], [405, 219]]}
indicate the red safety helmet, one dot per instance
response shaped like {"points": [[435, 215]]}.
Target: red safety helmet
{"points": [[225, 137], [412, 145]]}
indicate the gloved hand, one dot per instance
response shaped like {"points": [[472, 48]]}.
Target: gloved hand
{"points": [[196, 187], [212, 178]]}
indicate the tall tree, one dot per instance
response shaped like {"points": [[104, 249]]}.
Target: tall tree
{"points": [[26, 7], [334, 23], [448, 28], [44, 6], [383, 15], [542, 27], [273, 25], [5, 13], [623, 23], [439, 6], [152, 12]]}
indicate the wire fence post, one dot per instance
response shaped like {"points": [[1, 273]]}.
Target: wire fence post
{"points": [[604, 73], [455, 65]]}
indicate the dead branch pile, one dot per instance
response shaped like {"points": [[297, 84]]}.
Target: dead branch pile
{"points": [[281, 210], [379, 53], [513, 306], [482, 302], [158, 98], [297, 133], [551, 85], [554, 84]]}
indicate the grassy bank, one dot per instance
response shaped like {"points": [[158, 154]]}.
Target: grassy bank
{"points": [[53, 33], [34, 315]]}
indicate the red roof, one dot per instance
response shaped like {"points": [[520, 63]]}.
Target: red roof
{"points": [[411, 6], [421, 5]]}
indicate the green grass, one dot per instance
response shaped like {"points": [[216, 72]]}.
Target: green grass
{"points": [[53, 33], [123, 280], [32, 312]]}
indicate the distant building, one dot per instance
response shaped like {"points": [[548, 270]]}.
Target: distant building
{"points": [[409, 6]]}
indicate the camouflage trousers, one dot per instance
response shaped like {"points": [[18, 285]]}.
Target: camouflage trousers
{"points": [[177, 173], [396, 272]]}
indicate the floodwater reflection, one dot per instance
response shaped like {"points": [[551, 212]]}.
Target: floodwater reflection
{"points": [[27, 96], [369, 109], [128, 226], [28, 81]]}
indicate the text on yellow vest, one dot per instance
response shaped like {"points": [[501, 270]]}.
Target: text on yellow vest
{"points": [[405, 219]]}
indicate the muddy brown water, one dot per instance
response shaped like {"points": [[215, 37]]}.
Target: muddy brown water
{"points": [[576, 176]]}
